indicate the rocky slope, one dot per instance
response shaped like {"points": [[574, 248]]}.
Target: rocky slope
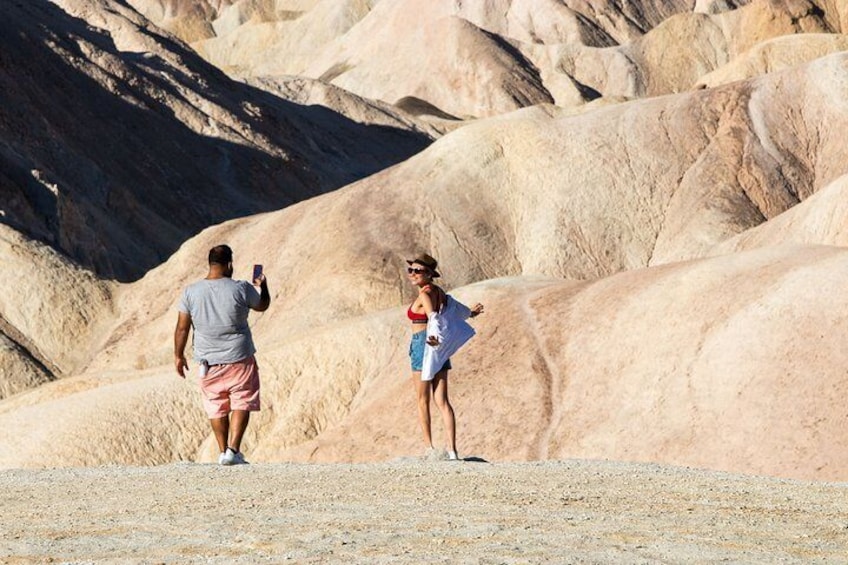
{"points": [[53, 315]]}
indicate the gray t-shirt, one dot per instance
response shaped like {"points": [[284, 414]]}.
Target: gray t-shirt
{"points": [[219, 309]]}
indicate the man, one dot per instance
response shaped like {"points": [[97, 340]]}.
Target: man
{"points": [[217, 308]]}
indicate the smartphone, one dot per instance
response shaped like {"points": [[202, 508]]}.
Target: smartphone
{"points": [[257, 272]]}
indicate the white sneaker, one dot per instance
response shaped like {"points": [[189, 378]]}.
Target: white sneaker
{"points": [[452, 456], [227, 457], [231, 457]]}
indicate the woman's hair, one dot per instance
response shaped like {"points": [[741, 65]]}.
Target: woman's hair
{"points": [[221, 255]]}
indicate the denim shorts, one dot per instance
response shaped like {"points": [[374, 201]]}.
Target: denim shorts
{"points": [[416, 352]]}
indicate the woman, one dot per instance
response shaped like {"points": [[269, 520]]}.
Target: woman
{"points": [[431, 299]]}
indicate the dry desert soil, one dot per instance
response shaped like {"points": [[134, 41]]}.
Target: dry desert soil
{"points": [[418, 511]]}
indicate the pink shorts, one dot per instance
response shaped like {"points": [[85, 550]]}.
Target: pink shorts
{"points": [[232, 386]]}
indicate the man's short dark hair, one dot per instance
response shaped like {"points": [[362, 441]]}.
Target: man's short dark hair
{"points": [[221, 255]]}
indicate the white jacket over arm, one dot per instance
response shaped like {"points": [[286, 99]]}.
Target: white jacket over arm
{"points": [[448, 325]]}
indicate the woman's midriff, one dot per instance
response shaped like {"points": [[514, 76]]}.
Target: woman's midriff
{"points": [[416, 328]]}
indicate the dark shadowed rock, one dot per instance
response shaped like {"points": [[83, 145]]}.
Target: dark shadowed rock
{"points": [[118, 143]]}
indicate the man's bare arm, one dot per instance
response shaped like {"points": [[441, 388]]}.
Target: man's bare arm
{"points": [[180, 341]]}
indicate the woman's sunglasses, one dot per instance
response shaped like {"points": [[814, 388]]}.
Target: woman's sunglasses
{"points": [[411, 270]]}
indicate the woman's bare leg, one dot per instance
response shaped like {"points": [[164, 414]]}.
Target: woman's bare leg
{"points": [[422, 393], [440, 395]]}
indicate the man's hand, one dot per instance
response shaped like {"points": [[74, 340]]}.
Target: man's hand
{"points": [[432, 341], [264, 294], [181, 365], [476, 310]]}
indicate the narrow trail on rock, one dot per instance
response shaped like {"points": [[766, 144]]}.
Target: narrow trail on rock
{"points": [[552, 378]]}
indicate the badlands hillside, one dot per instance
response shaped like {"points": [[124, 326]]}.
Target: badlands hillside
{"points": [[649, 198], [119, 142]]}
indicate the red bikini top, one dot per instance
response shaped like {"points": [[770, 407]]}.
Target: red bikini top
{"points": [[416, 318]]}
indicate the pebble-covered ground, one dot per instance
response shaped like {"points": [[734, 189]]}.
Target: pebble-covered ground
{"points": [[411, 511]]}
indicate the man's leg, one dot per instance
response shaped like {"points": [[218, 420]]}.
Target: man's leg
{"points": [[221, 429], [244, 398], [239, 425]]}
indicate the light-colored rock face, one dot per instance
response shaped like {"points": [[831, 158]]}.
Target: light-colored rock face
{"points": [[482, 59], [642, 301], [581, 196], [53, 314], [619, 369], [441, 51], [478, 74], [775, 55], [196, 20], [468, 59], [18, 370], [287, 43], [676, 53], [705, 365], [821, 219], [309, 92], [141, 420], [190, 21]]}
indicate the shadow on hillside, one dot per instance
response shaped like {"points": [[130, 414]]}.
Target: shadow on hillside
{"points": [[108, 172]]}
